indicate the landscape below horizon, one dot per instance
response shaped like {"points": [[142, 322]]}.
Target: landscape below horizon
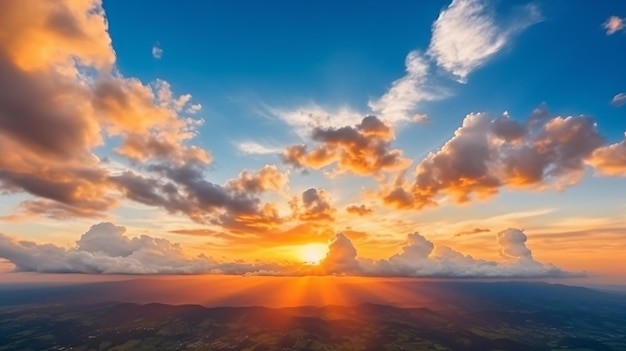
{"points": [[325, 313]]}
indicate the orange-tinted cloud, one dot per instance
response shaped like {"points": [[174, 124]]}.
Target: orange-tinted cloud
{"points": [[313, 205], [488, 153], [59, 55], [106, 249], [611, 159], [268, 178], [363, 149], [359, 210]]}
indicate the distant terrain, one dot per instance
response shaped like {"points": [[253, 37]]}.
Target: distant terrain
{"points": [[474, 316]]}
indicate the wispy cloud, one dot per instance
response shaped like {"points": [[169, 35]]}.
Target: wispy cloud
{"points": [[619, 100], [466, 35], [613, 25], [401, 101], [305, 118], [254, 148], [157, 51]]}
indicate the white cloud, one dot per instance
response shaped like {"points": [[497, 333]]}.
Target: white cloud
{"points": [[402, 99], [106, 249], [193, 109], [466, 35], [613, 25], [421, 258], [254, 148], [619, 100], [305, 119], [157, 51]]}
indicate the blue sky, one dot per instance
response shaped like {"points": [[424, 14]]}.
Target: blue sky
{"points": [[258, 69], [236, 57]]}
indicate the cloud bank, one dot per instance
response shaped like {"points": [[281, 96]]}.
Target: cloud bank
{"points": [[106, 249]]}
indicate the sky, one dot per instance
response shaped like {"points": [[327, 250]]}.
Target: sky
{"points": [[416, 139]]}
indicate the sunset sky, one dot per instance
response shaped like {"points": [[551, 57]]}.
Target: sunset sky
{"points": [[406, 138]]}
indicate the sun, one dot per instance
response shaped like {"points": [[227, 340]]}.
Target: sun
{"points": [[312, 253]]}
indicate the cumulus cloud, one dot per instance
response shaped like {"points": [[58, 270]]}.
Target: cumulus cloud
{"points": [[420, 257], [513, 244], [466, 35], [106, 249], [268, 178], [359, 210], [184, 189], [619, 100], [341, 257], [486, 154], [613, 25], [610, 159], [363, 149], [157, 51], [313, 205], [60, 55]]}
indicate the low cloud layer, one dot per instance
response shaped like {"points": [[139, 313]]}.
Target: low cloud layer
{"points": [[106, 249], [420, 257]]}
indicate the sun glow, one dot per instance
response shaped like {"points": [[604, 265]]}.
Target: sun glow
{"points": [[312, 253]]}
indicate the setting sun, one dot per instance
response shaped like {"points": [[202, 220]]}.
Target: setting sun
{"points": [[312, 253]]}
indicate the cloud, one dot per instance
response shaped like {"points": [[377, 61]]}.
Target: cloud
{"points": [[619, 100], [400, 102], [613, 25], [254, 148], [472, 232], [466, 35], [313, 205], [420, 257], [306, 118], [184, 189], [268, 178], [341, 257], [611, 159], [363, 149], [106, 249], [61, 56], [157, 51], [513, 244], [359, 210], [486, 154]]}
